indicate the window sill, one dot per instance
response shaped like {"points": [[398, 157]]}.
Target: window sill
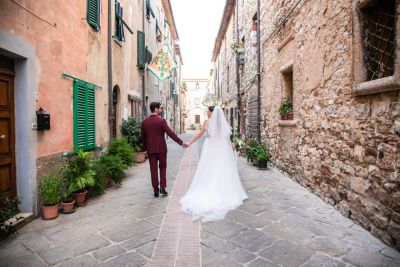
{"points": [[117, 41], [287, 123], [377, 86]]}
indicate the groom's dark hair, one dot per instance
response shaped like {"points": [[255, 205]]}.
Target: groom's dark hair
{"points": [[154, 105]]}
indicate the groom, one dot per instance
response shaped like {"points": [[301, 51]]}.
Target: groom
{"points": [[153, 131]]}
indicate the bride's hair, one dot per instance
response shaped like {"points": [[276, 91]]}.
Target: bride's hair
{"points": [[211, 108]]}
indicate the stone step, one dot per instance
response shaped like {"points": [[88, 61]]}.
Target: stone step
{"points": [[20, 219]]}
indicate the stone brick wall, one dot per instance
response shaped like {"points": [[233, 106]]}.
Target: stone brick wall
{"points": [[344, 148]]}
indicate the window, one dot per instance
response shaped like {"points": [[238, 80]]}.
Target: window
{"points": [[158, 32], [84, 116], [141, 51], [197, 101], [171, 90], [149, 10], [135, 107], [149, 56], [93, 14], [119, 25], [227, 76], [378, 32]]}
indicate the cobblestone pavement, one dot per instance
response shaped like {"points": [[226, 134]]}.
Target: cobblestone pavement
{"points": [[117, 229], [283, 224]]}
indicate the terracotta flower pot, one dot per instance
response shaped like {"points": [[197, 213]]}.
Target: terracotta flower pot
{"points": [[287, 117], [68, 205], [255, 162], [80, 197], [140, 157], [107, 181], [50, 212]]}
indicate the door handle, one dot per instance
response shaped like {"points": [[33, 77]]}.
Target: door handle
{"points": [[3, 136]]}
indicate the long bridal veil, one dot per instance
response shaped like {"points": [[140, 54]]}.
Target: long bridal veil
{"points": [[216, 186]]}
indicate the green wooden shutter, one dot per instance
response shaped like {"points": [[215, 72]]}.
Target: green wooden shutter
{"points": [[79, 115], [149, 10], [141, 50], [91, 116], [84, 116], [93, 13]]}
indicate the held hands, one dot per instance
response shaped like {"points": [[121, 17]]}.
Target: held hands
{"points": [[185, 145]]}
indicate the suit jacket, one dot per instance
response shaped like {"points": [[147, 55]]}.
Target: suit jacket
{"points": [[153, 131]]}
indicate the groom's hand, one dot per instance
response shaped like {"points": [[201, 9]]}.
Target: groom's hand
{"points": [[185, 145]]}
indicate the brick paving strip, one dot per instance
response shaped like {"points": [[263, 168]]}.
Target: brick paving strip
{"points": [[178, 243]]}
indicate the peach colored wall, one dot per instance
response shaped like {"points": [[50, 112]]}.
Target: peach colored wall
{"points": [[61, 48]]}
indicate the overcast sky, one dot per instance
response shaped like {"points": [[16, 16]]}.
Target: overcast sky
{"points": [[197, 22]]}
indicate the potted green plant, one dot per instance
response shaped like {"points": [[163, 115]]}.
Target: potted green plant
{"points": [[286, 109], [50, 190], [112, 167], [262, 154], [251, 151], [131, 130], [120, 147], [79, 175], [8, 209], [102, 180]]}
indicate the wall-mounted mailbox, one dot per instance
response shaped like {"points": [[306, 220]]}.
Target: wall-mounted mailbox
{"points": [[43, 120]]}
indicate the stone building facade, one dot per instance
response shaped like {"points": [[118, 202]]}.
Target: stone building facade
{"points": [[342, 76]]}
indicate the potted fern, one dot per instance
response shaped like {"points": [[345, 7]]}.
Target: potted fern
{"points": [[113, 167], [262, 155], [131, 130], [79, 175], [50, 190], [286, 109], [120, 147]]}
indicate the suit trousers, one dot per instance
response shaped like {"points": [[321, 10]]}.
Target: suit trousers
{"points": [[158, 160]]}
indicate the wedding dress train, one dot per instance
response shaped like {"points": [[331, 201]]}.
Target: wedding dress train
{"points": [[216, 187]]}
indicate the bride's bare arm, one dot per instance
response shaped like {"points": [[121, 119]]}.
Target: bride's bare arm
{"points": [[200, 133]]}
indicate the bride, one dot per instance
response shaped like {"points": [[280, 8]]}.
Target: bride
{"points": [[216, 188]]}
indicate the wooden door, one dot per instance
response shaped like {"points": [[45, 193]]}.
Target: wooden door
{"points": [[8, 186], [197, 119]]}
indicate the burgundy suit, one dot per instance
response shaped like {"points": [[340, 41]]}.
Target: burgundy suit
{"points": [[153, 131]]}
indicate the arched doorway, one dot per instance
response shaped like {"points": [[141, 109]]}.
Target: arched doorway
{"points": [[115, 110]]}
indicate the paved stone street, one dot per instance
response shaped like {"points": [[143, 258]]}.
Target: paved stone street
{"points": [[117, 229], [281, 224]]}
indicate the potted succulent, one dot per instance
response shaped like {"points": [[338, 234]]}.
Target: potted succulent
{"points": [[50, 190], [79, 175], [131, 130], [262, 154], [286, 109]]}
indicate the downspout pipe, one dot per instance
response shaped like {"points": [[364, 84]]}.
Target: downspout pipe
{"points": [[258, 72], [144, 110], [237, 69], [109, 70]]}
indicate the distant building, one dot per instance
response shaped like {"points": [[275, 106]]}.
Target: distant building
{"points": [[195, 110]]}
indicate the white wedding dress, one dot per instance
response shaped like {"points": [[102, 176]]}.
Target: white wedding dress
{"points": [[216, 187]]}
